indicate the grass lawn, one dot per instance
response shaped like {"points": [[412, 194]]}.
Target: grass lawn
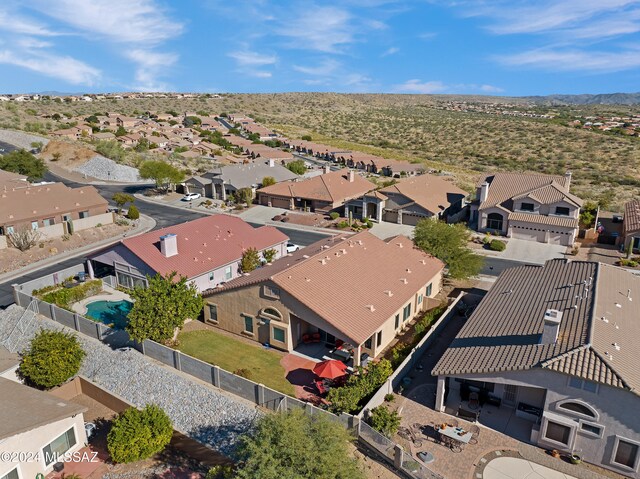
{"points": [[231, 354]]}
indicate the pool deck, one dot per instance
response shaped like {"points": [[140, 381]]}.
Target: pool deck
{"points": [[108, 294]]}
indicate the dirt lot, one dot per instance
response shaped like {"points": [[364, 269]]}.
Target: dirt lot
{"points": [[72, 154], [12, 259]]}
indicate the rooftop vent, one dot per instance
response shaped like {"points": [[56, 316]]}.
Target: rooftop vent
{"points": [[552, 320], [370, 307], [404, 280], [169, 245], [388, 293]]}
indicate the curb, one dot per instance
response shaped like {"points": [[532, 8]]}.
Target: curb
{"points": [[148, 225]]}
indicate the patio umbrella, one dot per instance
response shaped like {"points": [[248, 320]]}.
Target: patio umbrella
{"points": [[330, 369]]}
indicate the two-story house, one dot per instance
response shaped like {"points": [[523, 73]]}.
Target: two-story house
{"points": [[528, 206], [207, 251]]}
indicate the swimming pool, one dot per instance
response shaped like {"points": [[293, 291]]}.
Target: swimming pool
{"points": [[110, 312]]}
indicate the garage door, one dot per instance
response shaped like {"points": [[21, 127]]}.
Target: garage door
{"points": [[529, 234], [280, 202], [559, 237], [412, 220]]}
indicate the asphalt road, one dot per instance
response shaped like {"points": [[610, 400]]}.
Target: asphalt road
{"points": [[495, 266], [6, 148]]}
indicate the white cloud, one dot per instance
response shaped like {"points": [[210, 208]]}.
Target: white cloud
{"points": [[326, 29], [249, 58], [259, 74], [62, 67], [427, 35], [433, 87], [150, 66], [390, 51], [324, 68], [571, 60], [13, 22]]}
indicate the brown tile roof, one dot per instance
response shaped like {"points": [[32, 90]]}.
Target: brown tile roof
{"points": [[505, 186], [551, 193], [432, 193], [364, 266], [11, 179], [20, 204], [597, 341], [23, 408], [203, 244], [631, 222], [562, 221], [333, 187]]}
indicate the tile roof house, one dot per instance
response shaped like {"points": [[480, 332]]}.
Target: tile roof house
{"points": [[357, 289], [207, 251], [39, 426], [533, 207], [219, 183], [323, 193], [631, 225], [410, 200], [559, 344]]}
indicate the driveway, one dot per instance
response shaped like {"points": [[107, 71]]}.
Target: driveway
{"points": [[516, 468], [384, 230], [528, 251]]}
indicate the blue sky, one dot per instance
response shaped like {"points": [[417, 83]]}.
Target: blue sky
{"points": [[510, 47]]}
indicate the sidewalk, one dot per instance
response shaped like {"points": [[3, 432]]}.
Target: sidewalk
{"points": [[145, 223]]}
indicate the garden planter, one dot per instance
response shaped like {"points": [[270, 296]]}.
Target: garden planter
{"points": [[575, 459]]}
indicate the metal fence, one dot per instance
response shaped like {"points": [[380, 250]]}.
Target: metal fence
{"points": [[50, 279]]}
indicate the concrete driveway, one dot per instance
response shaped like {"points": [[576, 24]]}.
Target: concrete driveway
{"points": [[516, 468], [528, 251]]}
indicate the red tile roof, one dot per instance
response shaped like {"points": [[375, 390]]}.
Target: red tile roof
{"points": [[203, 244]]}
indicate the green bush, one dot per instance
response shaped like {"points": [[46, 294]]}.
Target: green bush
{"points": [[343, 224], [269, 255], [65, 297], [52, 358], [334, 215], [629, 263], [384, 420], [133, 213], [359, 388], [243, 373], [137, 435], [497, 245], [389, 397]]}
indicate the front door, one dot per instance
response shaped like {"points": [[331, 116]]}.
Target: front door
{"points": [[264, 333], [509, 395]]}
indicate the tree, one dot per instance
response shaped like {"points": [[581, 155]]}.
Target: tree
{"points": [[588, 214], [91, 119], [161, 172], [24, 238], [121, 131], [56, 156], [306, 137], [298, 167], [52, 358], [384, 420], [122, 199], [162, 307], [449, 244], [244, 195], [268, 181], [250, 260], [137, 435], [23, 163], [269, 255], [112, 149], [133, 213], [293, 445]]}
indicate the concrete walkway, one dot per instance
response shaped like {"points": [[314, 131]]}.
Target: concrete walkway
{"points": [[385, 230], [516, 468]]}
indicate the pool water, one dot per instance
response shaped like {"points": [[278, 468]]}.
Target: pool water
{"points": [[110, 312]]}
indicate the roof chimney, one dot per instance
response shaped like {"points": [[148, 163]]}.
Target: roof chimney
{"points": [[327, 169], [484, 191], [567, 180], [552, 319], [169, 245], [272, 162], [352, 176]]}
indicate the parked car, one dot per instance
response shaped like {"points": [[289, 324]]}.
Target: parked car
{"points": [[292, 247], [191, 196]]}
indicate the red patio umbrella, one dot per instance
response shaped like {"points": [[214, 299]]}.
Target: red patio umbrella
{"points": [[330, 369]]}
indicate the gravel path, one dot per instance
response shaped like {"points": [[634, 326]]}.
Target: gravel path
{"points": [[103, 168], [21, 139], [199, 411]]}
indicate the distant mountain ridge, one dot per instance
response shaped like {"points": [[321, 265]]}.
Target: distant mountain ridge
{"points": [[586, 99]]}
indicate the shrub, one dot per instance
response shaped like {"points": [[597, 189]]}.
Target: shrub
{"points": [[384, 420], [343, 224], [243, 373], [359, 387], [334, 215], [133, 213], [220, 472], [24, 239], [629, 263], [399, 353], [497, 245], [269, 255], [250, 260], [65, 297], [368, 223], [389, 397], [137, 435], [52, 358]]}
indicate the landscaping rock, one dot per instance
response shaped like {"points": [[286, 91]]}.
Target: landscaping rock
{"points": [[103, 168], [21, 139]]}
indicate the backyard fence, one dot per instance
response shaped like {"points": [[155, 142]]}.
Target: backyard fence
{"points": [[253, 392]]}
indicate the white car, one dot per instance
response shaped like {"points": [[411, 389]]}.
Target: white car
{"points": [[191, 196], [292, 247]]}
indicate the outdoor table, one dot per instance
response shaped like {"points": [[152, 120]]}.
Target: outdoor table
{"points": [[342, 354], [454, 433]]}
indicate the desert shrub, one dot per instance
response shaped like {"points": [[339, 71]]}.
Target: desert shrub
{"points": [[343, 224], [384, 420], [250, 260], [269, 255], [334, 215], [629, 263], [133, 213], [65, 297], [389, 397], [52, 358], [360, 387], [243, 373], [497, 245]]}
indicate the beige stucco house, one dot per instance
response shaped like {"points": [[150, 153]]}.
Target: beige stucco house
{"points": [[357, 289], [528, 206]]}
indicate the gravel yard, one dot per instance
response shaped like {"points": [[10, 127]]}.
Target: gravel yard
{"points": [[21, 139], [211, 417], [103, 168]]}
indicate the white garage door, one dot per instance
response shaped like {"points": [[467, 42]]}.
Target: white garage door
{"points": [[529, 234], [559, 237]]}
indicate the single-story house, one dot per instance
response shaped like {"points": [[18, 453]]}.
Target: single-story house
{"points": [[323, 193], [631, 225], [553, 351], [207, 251], [410, 200], [358, 289], [532, 207], [39, 428]]}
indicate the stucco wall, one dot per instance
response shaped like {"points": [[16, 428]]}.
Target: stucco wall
{"points": [[92, 221]]}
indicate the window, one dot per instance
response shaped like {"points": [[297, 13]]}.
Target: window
{"points": [[526, 206], [578, 408], [562, 211], [278, 334], [420, 299], [557, 432], [48, 221], [494, 221], [271, 313], [271, 291], [248, 324], [397, 321], [13, 474], [406, 312], [211, 276], [368, 343], [66, 217], [228, 273], [213, 313], [34, 225], [83, 214], [379, 341], [10, 229], [626, 454], [591, 429], [58, 446]]}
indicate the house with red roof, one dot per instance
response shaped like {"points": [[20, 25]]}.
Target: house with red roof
{"points": [[207, 251]]}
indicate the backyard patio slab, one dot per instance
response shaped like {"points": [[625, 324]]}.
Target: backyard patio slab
{"points": [[516, 468]]}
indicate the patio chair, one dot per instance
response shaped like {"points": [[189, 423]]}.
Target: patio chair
{"points": [[320, 387], [475, 433], [453, 422], [467, 415]]}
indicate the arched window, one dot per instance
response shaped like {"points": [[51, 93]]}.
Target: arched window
{"points": [[494, 221], [578, 408], [271, 313]]}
